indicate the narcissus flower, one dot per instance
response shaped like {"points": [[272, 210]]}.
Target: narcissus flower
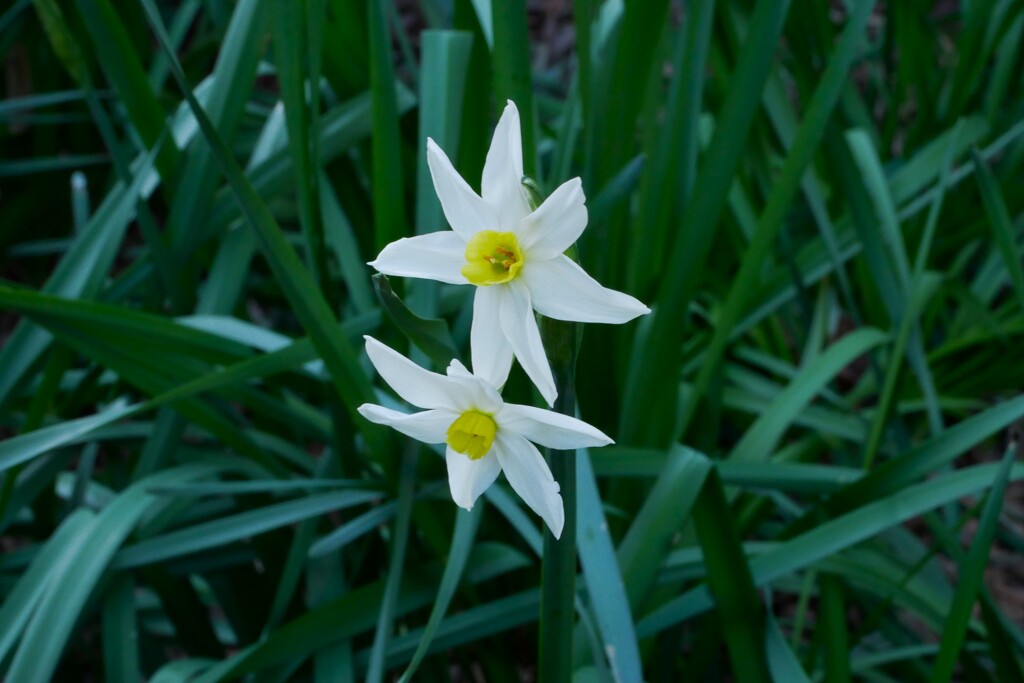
{"points": [[484, 434], [514, 255]]}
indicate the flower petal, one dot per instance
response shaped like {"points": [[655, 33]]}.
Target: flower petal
{"points": [[467, 478], [560, 289], [428, 426], [531, 478], [549, 428], [501, 185], [433, 256], [477, 393], [492, 354], [414, 384], [556, 224], [520, 328], [465, 210]]}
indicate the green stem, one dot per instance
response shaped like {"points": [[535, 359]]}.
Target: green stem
{"points": [[558, 568]]}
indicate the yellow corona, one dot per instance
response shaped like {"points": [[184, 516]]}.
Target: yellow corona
{"points": [[492, 258], [472, 434]]}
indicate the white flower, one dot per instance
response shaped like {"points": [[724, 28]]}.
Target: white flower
{"points": [[484, 434], [513, 255]]}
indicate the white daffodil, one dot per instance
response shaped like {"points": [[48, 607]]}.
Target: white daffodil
{"points": [[484, 434], [512, 254]]}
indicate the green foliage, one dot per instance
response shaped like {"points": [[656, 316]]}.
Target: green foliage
{"points": [[816, 427]]}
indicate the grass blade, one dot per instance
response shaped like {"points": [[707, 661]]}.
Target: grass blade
{"points": [[1002, 225], [970, 574], [306, 299], [466, 525]]}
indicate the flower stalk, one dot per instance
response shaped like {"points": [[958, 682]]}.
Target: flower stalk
{"points": [[558, 565]]}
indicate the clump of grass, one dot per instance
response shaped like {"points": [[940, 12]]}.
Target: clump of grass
{"points": [[815, 428]]}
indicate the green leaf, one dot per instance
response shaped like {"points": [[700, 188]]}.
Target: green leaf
{"points": [[307, 301], [120, 632], [664, 512], [357, 611], [649, 415], [51, 560], [833, 536], [431, 335], [232, 528], [510, 58], [603, 579], [782, 661], [730, 582], [74, 581], [396, 566], [761, 439], [388, 186], [1002, 224], [123, 68], [466, 525], [969, 576]]}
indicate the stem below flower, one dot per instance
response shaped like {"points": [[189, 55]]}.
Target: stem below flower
{"points": [[558, 567]]}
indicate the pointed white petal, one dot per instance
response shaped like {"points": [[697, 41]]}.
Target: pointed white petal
{"points": [[502, 186], [479, 394], [465, 210], [520, 328], [467, 478], [428, 426], [531, 478], [419, 387], [492, 354], [556, 223], [560, 289], [549, 428], [457, 369], [434, 256]]}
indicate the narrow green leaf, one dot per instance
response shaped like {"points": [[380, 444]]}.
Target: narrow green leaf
{"points": [[510, 57], [293, 58], [833, 629], [782, 661], [761, 439], [603, 579], [805, 144], [833, 536], [123, 68], [357, 611], [232, 528], [396, 567], [78, 275], [649, 404], [1002, 224], [20, 602], [307, 301], [466, 525], [120, 632], [39, 653], [431, 335], [664, 512], [388, 186], [228, 89], [730, 582], [970, 573]]}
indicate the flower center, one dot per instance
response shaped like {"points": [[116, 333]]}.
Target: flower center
{"points": [[472, 434], [492, 258]]}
